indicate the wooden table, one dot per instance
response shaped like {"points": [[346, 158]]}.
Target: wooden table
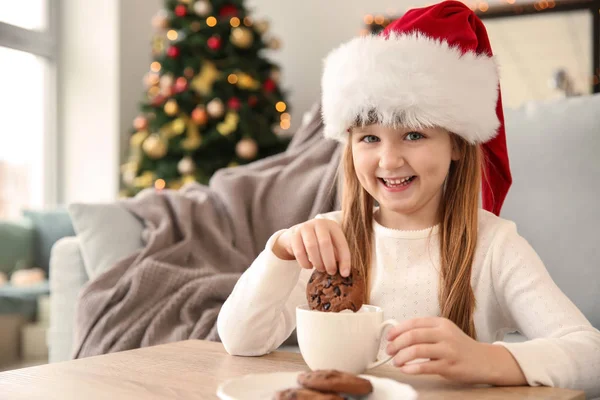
{"points": [[194, 369]]}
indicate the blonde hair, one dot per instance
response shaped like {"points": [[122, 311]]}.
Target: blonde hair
{"points": [[458, 230]]}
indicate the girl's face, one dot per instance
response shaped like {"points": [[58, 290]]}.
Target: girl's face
{"points": [[404, 171]]}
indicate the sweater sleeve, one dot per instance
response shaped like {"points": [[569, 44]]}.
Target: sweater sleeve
{"points": [[563, 349], [260, 313]]}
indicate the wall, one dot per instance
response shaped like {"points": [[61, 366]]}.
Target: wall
{"points": [[104, 53]]}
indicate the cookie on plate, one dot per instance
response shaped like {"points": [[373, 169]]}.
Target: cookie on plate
{"points": [[335, 381], [305, 394], [334, 293]]}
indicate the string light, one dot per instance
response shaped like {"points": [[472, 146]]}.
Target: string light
{"points": [[280, 106], [172, 34], [232, 78], [160, 184], [510, 1], [285, 116], [368, 19], [483, 6], [235, 22], [155, 66], [285, 124], [211, 21], [154, 91], [247, 21], [379, 19]]}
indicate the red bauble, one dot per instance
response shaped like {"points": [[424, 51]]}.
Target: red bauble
{"points": [[158, 100], [228, 11], [181, 10], [234, 103], [173, 52], [269, 85], [252, 101], [214, 43], [181, 84]]}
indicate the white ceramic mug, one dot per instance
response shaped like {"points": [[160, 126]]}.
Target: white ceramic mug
{"points": [[345, 341]]}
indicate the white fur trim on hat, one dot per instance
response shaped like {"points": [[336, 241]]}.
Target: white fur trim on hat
{"points": [[411, 80]]}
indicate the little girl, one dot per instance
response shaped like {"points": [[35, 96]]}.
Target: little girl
{"points": [[420, 113]]}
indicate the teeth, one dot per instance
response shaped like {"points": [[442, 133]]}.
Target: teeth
{"points": [[396, 181]]}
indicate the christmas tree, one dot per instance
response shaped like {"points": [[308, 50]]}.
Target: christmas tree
{"points": [[212, 101]]}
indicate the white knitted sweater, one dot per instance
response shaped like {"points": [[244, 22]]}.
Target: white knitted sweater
{"points": [[513, 292]]}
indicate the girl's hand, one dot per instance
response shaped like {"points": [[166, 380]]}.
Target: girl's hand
{"points": [[451, 353], [318, 243]]}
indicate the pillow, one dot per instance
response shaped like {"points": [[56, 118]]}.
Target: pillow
{"points": [[107, 233], [16, 245]]}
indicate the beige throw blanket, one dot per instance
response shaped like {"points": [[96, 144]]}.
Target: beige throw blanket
{"points": [[198, 241]]}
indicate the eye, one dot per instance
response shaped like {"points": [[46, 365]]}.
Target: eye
{"points": [[369, 139], [412, 136]]}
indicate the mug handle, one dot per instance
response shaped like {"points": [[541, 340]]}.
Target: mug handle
{"points": [[384, 324]]}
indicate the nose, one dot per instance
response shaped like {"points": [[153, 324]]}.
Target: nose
{"points": [[390, 158]]}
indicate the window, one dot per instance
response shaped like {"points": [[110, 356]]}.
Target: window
{"points": [[28, 166]]}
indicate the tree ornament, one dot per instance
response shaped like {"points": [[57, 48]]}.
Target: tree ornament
{"points": [[199, 115], [234, 103], [269, 86], [173, 51], [202, 8], [186, 166], [228, 11], [181, 10], [155, 147], [246, 149], [262, 26], [214, 42], [215, 108], [229, 125], [171, 107], [274, 44], [181, 84], [145, 180], [241, 37], [161, 20], [203, 82], [140, 123], [188, 72]]}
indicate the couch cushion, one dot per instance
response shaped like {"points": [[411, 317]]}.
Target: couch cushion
{"points": [[16, 245], [49, 226], [107, 233], [554, 150]]}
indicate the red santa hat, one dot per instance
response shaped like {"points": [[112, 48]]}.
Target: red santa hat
{"points": [[432, 67]]}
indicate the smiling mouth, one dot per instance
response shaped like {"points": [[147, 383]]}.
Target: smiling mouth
{"points": [[394, 183]]}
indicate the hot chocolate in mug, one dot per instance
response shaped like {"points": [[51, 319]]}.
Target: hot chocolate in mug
{"points": [[346, 341]]}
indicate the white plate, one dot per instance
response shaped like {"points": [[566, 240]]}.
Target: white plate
{"points": [[264, 386]]}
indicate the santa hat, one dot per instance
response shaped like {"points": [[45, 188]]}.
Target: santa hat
{"points": [[432, 67]]}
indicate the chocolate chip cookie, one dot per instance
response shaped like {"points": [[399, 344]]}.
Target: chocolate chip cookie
{"points": [[334, 293], [335, 381], [305, 394]]}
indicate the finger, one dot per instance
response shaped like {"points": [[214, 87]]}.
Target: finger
{"points": [[342, 251], [413, 323], [326, 248], [299, 251], [311, 244], [412, 337], [436, 351], [425, 368]]}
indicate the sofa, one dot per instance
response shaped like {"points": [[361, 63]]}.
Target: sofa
{"points": [[554, 149]]}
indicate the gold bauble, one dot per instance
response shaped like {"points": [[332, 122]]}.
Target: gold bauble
{"points": [[215, 108], [262, 26], [155, 147], [241, 37], [246, 149], [171, 107], [199, 115], [137, 139]]}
